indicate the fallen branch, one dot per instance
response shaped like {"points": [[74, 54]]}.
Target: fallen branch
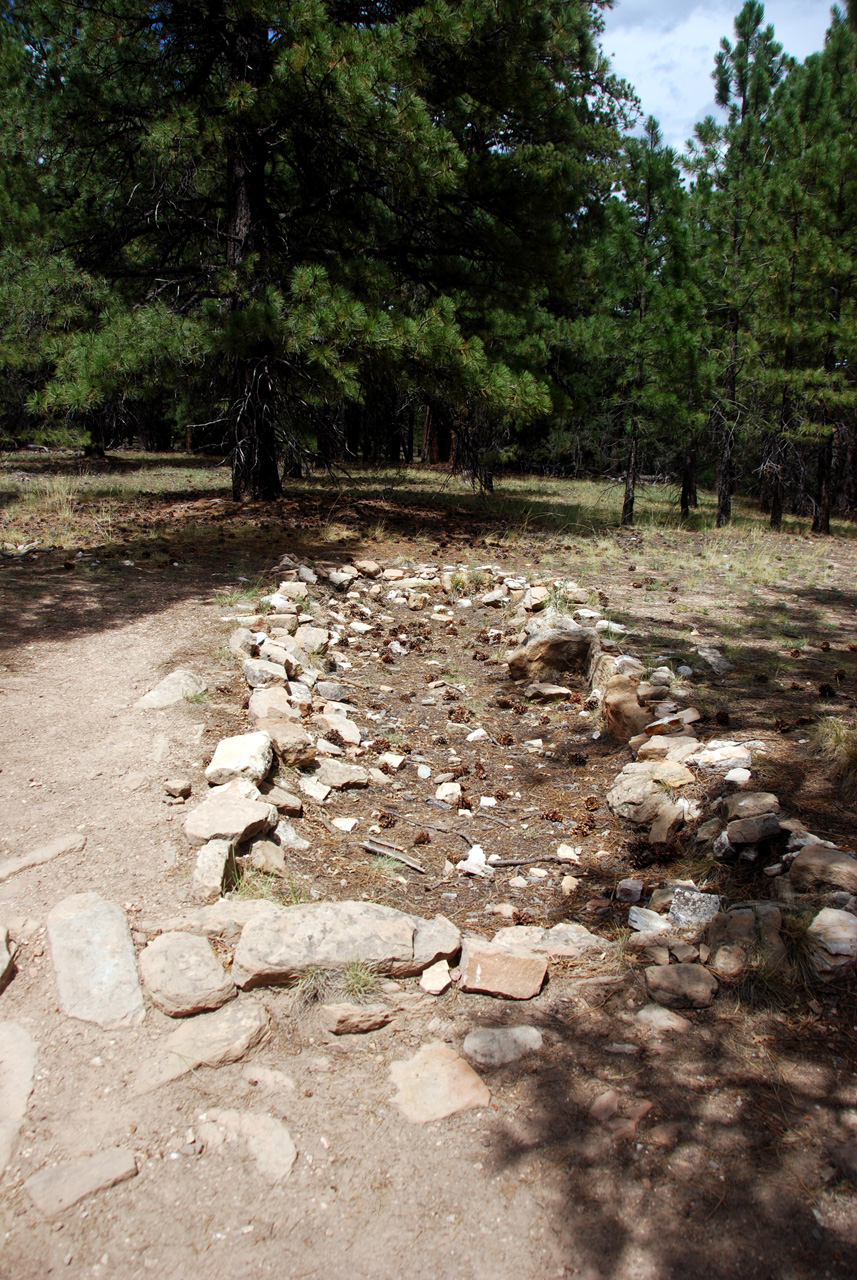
{"points": [[390, 851]]}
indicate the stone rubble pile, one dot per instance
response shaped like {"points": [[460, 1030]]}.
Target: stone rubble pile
{"points": [[304, 717]]}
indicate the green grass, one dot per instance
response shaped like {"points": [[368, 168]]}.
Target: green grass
{"points": [[836, 740]]}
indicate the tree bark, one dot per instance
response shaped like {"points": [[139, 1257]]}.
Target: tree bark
{"points": [[821, 506], [724, 477], [630, 480], [688, 497]]}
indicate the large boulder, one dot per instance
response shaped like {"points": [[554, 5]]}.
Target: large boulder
{"points": [[276, 950], [550, 652]]}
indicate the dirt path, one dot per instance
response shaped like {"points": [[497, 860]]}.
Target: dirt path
{"points": [[530, 1187]]}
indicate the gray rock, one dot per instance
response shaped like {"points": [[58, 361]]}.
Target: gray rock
{"points": [[690, 909], [434, 940], [259, 673], [214, 869], [247, 755], [288, 838], [563, 940], [17, 1068], [178, 787], [272, 703], [555, 650], [750, 804], [341, 777], [223, 919], [681, 986], [57, 1188], [497, 1046], [722, 849], [243, 643], [288, 804], [176, 687], [816, 865], [731, 939], [277, 949], [668, 821], [266, 1140], [313, 640], [354, 1019], [654, 1017], [752, 830], [94, 962], [182, 975], [629, 890], [833, 937], [714, 659], [231, 818], [209, 1040], [73, 843], [291, 743], [332, 691], [436, 1082]]}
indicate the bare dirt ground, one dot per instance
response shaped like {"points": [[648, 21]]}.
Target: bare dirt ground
{"points": [[754, 1095]]}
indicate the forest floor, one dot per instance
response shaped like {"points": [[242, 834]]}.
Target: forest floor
{"points": [[113, 575]]}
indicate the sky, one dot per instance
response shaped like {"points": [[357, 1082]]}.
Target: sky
{"points": [[666, 49]]}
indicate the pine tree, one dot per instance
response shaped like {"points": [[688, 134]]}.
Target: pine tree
{"points": [[729, 163], [290, 205]]}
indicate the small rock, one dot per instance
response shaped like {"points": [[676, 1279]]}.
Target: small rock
{"points": [[681, 986], [448, 792], [57, 1188], [752, 830], [605, 1106], [259, 673], [493, 968], [629, 890], [94, 961], [569, 885], [715, 660], [179, 787], [664, 1136], [341, 777], [732, 938], [691, 909], [176, 687], [646, 921], [816, 865], [354, 1019], [289, 839], [436, 978], [844, 1158], [436, 1082], [182, 975], [289, 805], [248, 755], [229, 817], [657, 1018], [215, 867], [497, 1046], [833, 936]]}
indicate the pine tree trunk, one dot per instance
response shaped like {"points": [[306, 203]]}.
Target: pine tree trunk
{"points": [[630, 481], [724, 478], [688, 482], [821, 506], [255, 462]]}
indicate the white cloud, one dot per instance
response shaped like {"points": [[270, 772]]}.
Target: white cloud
{"points": [[666, 48]]}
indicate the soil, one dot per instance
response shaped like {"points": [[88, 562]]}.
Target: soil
{"points": [[532, 1186]]}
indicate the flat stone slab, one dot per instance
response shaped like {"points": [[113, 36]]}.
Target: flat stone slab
{"points": [[833, 936], [229, 817], [277, 949], [94, 961], [210, 1040], [223, 919], [562, 940], [176, 687], [681, 986], [655, 1017], [354, 1019], [817, 865], [498, 1046], [72, 843], [341, 777], [498, 969], [247, 755], [182, 975], [436, 978], [691, 909], [17, 1068], [264, 1138], [436, 1082], [57, 1188]]}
